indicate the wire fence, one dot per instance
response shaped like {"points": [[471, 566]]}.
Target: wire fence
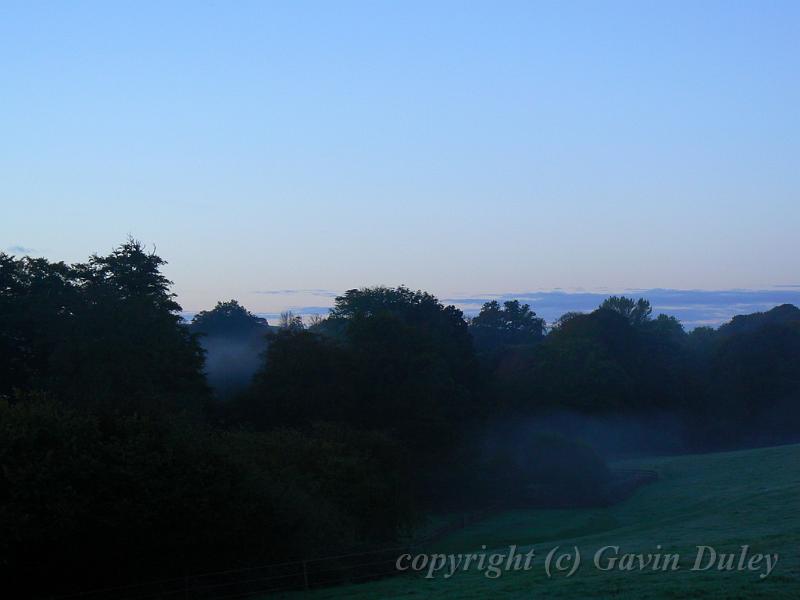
{"points": [[274, 578], [313, 573]]}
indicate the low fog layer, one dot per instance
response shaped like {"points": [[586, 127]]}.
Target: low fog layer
{"points": [[231, 363]]}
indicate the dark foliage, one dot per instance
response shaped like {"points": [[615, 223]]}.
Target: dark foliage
{"points": [[738, 385], [105, 333], [513, 324], [94, 501], [306, 378], [386, 359], [520, 466], [113, 456]]}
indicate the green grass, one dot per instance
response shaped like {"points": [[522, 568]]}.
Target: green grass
{"points": [[720, 500]]}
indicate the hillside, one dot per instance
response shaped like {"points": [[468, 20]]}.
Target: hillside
{"points": [[720, 500]]}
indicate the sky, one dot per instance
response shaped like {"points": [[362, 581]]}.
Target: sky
{"points": [[471, 149]]}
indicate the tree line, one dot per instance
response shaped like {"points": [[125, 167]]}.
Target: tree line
{"points": [[127, 453]]}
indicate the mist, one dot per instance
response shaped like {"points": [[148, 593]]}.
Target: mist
{"points": [[231, 362], [613, 436]]}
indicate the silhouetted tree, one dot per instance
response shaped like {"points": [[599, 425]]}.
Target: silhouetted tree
{"points": [[386, 359], [663, 379], [419, 373], [289, 320], [513, 324], [565, 317], [228, 319], [305, 378], [755, 374], [38, 300], [636, 311], [124, 346], [588, 363]]}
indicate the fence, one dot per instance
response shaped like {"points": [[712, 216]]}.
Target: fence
{"points": [[279, 577], [318, 572]]}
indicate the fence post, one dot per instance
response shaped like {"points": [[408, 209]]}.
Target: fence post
{"points": [[305, 574]]}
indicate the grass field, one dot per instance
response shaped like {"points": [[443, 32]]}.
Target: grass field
{"points": [[721, 500]]}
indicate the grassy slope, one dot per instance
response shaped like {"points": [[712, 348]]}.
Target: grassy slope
{"points": [[721, 500]]}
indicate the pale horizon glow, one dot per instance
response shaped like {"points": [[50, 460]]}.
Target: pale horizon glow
{"points": [[694, 308], [467, 149]]}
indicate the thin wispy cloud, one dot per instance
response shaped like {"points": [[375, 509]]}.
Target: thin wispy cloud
{"points": [[18, 249], [311, 292], [300, 311]]}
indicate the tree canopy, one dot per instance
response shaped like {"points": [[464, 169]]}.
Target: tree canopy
{"points": [[636, 311], [107, 332], [511, 324], [228, 319]]}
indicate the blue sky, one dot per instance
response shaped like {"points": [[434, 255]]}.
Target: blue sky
{"points": [[465, 148]]}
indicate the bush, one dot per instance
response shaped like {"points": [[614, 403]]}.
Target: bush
{"points": [[87, 502], [533, 468], [570, 465]]}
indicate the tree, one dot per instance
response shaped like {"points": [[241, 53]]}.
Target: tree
{"points": [[755, 378], [228, 319], [589, 363], [291, 321], [387, 359], [126, 348], [664, 367], [644, 360], [636, 311], [783, 315], [38, 300], [513, 324], [560, 321], [404, 325], [145, 498], [304, 378]]}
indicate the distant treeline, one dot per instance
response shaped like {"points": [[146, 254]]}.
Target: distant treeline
{"points": [[126, 454]]}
